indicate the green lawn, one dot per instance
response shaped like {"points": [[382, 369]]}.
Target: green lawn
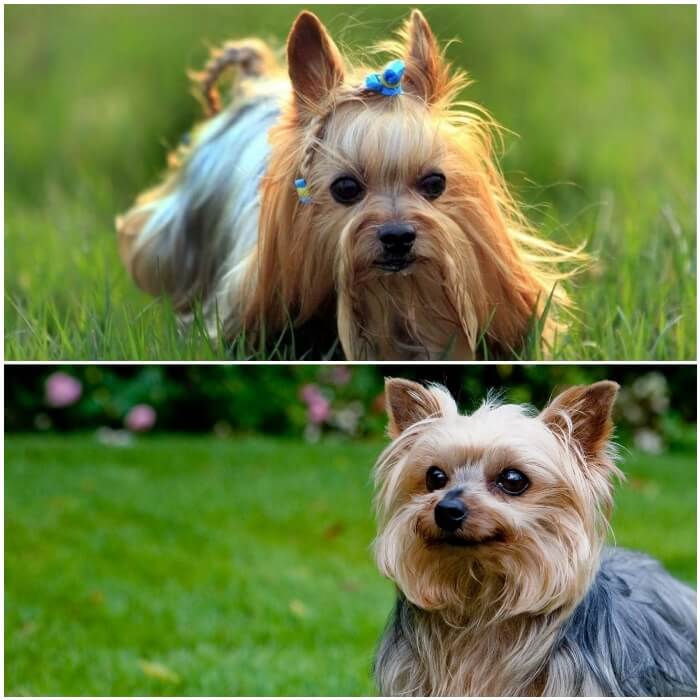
{"points": [[603, 99], [195, 566]]}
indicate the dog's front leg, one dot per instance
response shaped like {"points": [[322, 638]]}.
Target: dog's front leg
{"points": [[352, 333]]}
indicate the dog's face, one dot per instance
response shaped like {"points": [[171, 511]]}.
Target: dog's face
{"points": [[390, 186], [383, 186], [503, 510], [391, 192], [376, 165], [410, 225]]}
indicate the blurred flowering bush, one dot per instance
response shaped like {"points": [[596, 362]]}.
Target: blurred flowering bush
{"points": [[337, 404], [655, 411], [643, 408]]}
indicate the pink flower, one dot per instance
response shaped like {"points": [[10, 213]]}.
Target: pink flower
{"points": [[309, 392], [62, 390], [141, 418], [319, 406], [340, 375], [319, 410]]}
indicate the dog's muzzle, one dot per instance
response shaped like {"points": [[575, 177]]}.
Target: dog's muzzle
{"points": [[397, 241]]}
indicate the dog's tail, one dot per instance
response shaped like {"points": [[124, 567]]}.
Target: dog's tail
{"points": [[253, 59]]}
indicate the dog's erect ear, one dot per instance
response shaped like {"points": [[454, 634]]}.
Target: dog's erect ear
{"points": [[315, 64], [585, 413], [426, 70], [408, 402]]}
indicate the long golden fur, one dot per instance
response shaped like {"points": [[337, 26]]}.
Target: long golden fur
{"points": [[480, 273]]}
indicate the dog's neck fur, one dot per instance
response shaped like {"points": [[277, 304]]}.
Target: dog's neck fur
{"points": [[409, 319], [448, 658]]}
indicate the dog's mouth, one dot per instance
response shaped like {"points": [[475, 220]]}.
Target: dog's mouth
{"points": [[457, 541], [394, 264]]}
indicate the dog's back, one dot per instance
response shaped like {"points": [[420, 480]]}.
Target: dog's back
{"points": [[634, 634], [182, 235]]}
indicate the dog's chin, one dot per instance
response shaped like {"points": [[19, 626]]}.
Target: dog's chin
{"points": [[394, 265]]}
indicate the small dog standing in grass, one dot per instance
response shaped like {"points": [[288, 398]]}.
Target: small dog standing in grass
{"points": [[368, 201], [492, 527]]}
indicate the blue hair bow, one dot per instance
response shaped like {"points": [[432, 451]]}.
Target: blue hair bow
{"points": [[303, 192], [388, 82]]}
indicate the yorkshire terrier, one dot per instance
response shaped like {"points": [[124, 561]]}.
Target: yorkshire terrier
{"points": [[371, 201], [492, 527]]}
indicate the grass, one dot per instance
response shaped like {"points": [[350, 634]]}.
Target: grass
{"points": [[194, 566], [603, 98]]}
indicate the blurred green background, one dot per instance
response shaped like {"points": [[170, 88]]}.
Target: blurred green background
{"points": [[206, 530], [603, 98]]}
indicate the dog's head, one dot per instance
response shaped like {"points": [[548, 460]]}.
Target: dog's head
{"points": [[498, 513], [410, 225]]}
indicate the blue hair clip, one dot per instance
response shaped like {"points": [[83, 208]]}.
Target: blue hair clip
{"points": [[303, 191], [388, 82]]}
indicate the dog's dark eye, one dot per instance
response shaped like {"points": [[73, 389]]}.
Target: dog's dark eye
{"points": [[433, 185], [435, 479], [347, 190], [512, 482]]}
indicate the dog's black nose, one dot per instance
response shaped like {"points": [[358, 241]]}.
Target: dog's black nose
{"points": [[397, 238], [450, 512]]}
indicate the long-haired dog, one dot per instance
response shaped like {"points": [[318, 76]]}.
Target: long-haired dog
{"points": [[340, 195], [492, 527]]}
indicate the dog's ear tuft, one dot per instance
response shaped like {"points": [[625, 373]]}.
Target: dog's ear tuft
{"points": [[426, 70], [585, 414], [409, 402], [315, 64]]}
